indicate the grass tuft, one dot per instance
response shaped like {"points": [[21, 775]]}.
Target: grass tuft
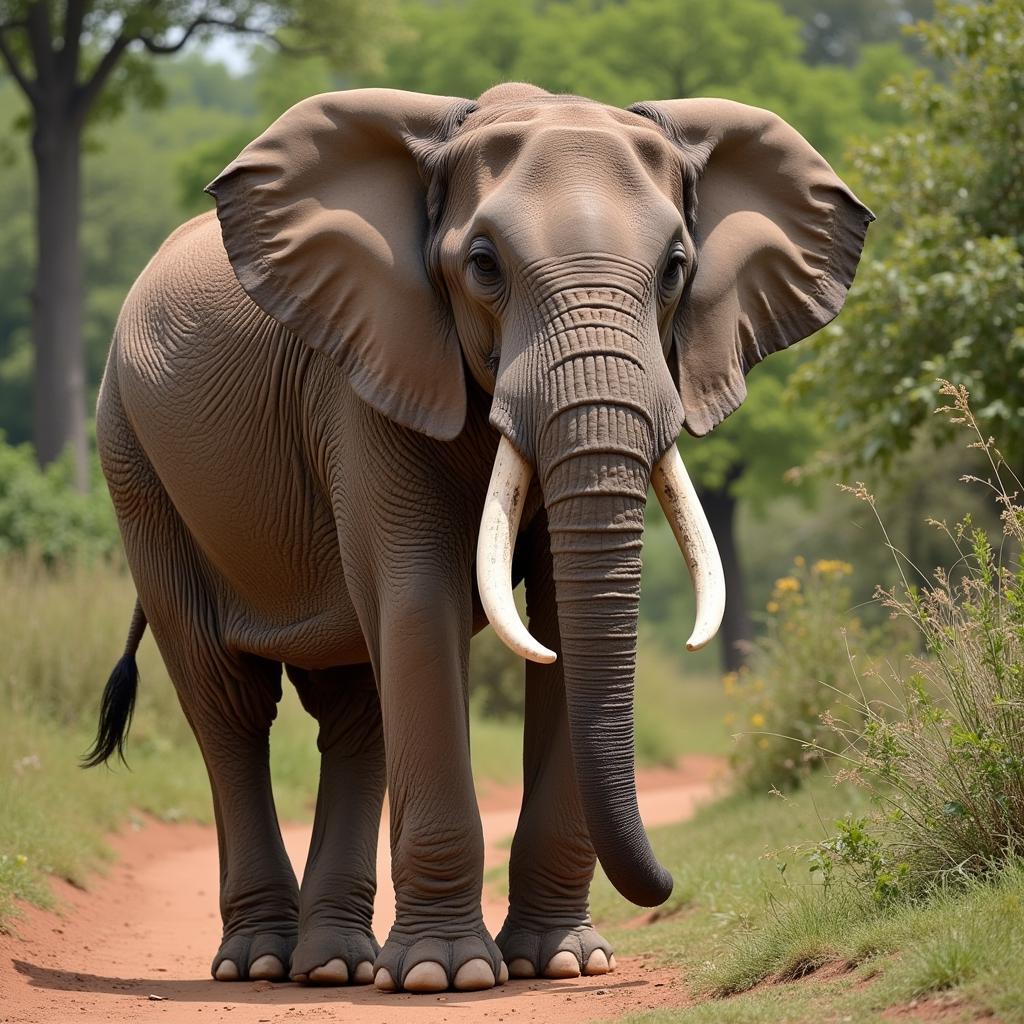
{"points": [[945, 962]]}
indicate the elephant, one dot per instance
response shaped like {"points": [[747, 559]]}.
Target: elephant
{"points": [[423, 349]]}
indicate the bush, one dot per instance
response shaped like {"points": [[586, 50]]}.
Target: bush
{"points": [[496, 678], [40, 512], [944, 755], [795, 674]]}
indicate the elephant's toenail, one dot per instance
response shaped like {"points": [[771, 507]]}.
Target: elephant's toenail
{"points": [[521, 968], [473, 976], [266, 968], [384, 982], [502, 973], [427, 977], [598, 963], [334, 972], [227, 970], [364, 973], [563, 965], [611, 962]]}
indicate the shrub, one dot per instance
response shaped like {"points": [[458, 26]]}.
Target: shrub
{"points": [[944, 754], [796, 669], [40, 512]]}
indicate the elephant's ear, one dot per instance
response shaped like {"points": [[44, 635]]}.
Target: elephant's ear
{"points": [[778, 239], [324, 220]]}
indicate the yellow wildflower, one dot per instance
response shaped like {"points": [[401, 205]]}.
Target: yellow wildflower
{"points": [[757, 720], [773, 607], [832, 567], [799, 561], [729, 683], [787, 585]]}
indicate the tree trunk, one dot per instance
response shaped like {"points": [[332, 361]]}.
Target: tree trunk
{"points": [[737, 631], [59, 376]]}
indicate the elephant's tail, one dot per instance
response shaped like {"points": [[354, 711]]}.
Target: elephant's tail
{"points": [[118, 703]]}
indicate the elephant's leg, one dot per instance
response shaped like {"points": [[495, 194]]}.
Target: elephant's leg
{"points": [[548, 930], [229, 700], [336, 942], [230, 703], [439, 938]]}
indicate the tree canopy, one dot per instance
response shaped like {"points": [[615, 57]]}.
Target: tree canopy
{"points": [[75, 61], [748, 50], [941, 293]]}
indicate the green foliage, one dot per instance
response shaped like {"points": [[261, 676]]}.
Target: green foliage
{"points": [[942, 291], [644, 49], [944, 752], [864, 856], [837, 31], [754, 451], [41, 514], [782, 699]]}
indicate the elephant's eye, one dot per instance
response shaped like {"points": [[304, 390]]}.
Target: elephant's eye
{"points": [[483, 263], [674, 269]]}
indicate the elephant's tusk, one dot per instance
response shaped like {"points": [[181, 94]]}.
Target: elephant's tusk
{"points": [[696, 541], [499, 525]]}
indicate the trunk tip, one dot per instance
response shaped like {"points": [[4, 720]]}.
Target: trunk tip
{"points": [[653, 891]]}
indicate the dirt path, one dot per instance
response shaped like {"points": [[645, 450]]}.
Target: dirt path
{"points": [[137, 946]]}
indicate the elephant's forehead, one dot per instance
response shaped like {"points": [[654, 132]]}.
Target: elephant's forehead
{"points": [[567, 143]]}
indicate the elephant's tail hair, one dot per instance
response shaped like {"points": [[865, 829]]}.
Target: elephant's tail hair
{"points": [[118, 703]]}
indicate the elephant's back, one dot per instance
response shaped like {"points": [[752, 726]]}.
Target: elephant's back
{"points": [[186, 289], [216, 392]]}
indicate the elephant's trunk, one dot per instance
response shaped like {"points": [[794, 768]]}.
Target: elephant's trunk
{"points": [[595, 502], [592, 406]]}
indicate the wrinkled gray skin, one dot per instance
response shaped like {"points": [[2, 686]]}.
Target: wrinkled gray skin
{"points": [[272, 516]]}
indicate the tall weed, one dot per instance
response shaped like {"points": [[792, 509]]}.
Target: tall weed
{"points": [[943, 751]]}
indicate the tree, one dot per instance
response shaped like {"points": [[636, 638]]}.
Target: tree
{"points": [[76, 61], [941, 292], [129, 205]]}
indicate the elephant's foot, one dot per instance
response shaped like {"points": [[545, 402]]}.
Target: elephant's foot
{"points": [[259, 956], [329, 955], [555, 952], [466, 963]]}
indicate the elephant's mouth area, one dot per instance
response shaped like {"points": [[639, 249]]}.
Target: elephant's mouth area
{"points": [[620, 493]]}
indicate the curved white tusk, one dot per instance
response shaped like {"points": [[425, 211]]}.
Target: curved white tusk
{"points": [[696, 541], [499, 525]]}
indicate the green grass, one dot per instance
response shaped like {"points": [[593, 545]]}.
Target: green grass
{"points": [[751, 939]]}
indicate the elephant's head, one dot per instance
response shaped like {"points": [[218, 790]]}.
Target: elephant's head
{"points": [[608, 275]]}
